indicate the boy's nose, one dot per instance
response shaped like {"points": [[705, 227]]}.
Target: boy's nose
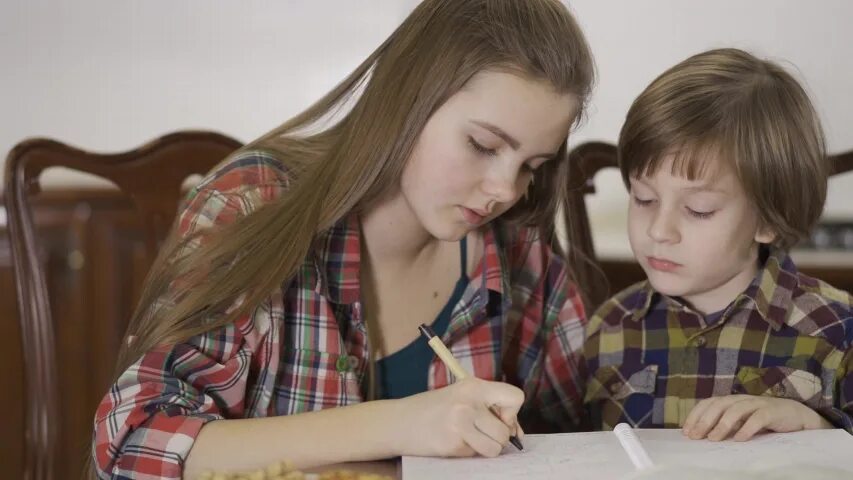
{"points": [[664, 228]]}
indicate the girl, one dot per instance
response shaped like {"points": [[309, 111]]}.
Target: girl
{"points": [[301, 267]]}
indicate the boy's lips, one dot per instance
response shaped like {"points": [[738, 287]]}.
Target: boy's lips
{"points": [[662, 264]]}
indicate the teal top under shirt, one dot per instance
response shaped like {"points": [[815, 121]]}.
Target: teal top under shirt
{"points": [[404, 372]]}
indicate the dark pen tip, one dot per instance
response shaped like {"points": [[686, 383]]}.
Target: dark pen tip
{"points": [[426, 331], [515, 441]]}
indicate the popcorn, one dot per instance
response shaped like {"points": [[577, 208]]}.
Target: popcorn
{"points": [[286, 471]]}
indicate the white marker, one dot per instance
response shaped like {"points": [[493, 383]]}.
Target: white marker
{"points": [[631, 443]]}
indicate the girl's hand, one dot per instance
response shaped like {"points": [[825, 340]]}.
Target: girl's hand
{"points": [[745, 415], [456, 421]]}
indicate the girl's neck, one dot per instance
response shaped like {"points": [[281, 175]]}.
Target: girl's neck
{"points": [[392, 235]]}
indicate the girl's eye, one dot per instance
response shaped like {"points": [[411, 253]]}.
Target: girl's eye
{"points": [[642, 202], [480, 148], [700, 215]]}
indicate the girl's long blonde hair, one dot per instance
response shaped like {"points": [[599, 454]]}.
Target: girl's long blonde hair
{"points": [[346, 167]]}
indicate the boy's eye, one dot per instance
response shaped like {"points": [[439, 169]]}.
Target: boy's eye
{"points": [[642, 201], [479, 148], [700, 215]]}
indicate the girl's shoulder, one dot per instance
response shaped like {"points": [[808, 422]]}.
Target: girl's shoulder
{"points": [[243, 182], [247, 170]]}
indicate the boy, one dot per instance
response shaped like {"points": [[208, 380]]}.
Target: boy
{"points": [[723, 156]]}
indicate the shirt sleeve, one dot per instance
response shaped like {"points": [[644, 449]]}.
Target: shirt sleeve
{"points": [[148, 421], [146, 424], [841, 412]]}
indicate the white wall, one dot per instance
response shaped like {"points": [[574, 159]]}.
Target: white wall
{"points": [[111, 74]]}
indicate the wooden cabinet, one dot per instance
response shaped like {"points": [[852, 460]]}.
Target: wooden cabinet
{"points": [[95, 260]]}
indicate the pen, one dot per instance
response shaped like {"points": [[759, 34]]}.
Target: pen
{"points": [[453, 365]]}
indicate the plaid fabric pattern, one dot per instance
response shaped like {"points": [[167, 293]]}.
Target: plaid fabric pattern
{"points": [[305, 348], [651, 359]]}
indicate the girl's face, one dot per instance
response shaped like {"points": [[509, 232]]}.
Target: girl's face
{"points": [[476, 155]]}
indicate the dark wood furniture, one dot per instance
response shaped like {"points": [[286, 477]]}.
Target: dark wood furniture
{"points": [[79, 261], [617, 273]]}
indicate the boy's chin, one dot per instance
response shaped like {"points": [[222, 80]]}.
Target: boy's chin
{"points": [[668, 285]]}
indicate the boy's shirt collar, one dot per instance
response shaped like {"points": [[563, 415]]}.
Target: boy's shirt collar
{"points": [[769, 292]]}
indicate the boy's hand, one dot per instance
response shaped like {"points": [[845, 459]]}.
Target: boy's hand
{"points": [[745, 415]]}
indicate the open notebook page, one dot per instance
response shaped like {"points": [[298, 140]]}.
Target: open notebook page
{"points": [[598, 455]]}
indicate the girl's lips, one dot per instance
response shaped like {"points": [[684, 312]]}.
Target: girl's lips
{"points": [[472, 216], [662, 265]]}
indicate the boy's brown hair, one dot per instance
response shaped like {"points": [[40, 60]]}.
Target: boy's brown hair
{"points": [[728, 104]]}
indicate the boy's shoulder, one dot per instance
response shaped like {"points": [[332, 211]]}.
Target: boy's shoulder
{"points": [[630, 303], [820, 309]]}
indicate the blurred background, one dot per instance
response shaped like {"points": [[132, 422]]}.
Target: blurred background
{"points": [[107, 75]]}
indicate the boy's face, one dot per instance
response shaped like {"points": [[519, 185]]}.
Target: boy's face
{"points": [[697, 240]]}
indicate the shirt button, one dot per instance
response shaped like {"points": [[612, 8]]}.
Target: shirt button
{"points": [[342, 364], [615, 387], [700, 341], [352, 362], [779, 390]]}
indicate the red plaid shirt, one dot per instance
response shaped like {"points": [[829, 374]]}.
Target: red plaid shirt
{"points": [[305, 348]]}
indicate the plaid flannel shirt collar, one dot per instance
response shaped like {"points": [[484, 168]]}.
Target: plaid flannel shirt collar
{"points": [[337, 261], [770, 292]]}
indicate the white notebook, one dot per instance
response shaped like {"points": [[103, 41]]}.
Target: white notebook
{"points": [[599, 455]]}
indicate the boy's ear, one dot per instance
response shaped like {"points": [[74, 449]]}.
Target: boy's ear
{"points": [[765, 235]]}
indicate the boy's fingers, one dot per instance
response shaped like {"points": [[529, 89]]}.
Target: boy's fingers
{"points": [[695, 414], [733, 418], [756, 423], [711, 415]]}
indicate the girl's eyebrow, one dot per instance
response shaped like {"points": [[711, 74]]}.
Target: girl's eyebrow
{"points": [[515, 144], [509, 139]]}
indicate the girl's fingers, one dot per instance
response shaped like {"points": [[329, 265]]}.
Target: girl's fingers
{"points": [[506, 398], [519, 432], [486, 435]]}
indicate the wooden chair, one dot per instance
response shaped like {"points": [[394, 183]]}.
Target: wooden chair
{"points": [[603, 277], [152, 176], [585, 161]]}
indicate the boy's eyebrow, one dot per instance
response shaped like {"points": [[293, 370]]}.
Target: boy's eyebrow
{"points": [[509, 139], [705, 188], [698, 188]]}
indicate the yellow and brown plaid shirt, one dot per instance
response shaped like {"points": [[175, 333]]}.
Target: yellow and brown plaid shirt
{"points": [[651, 358]]}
